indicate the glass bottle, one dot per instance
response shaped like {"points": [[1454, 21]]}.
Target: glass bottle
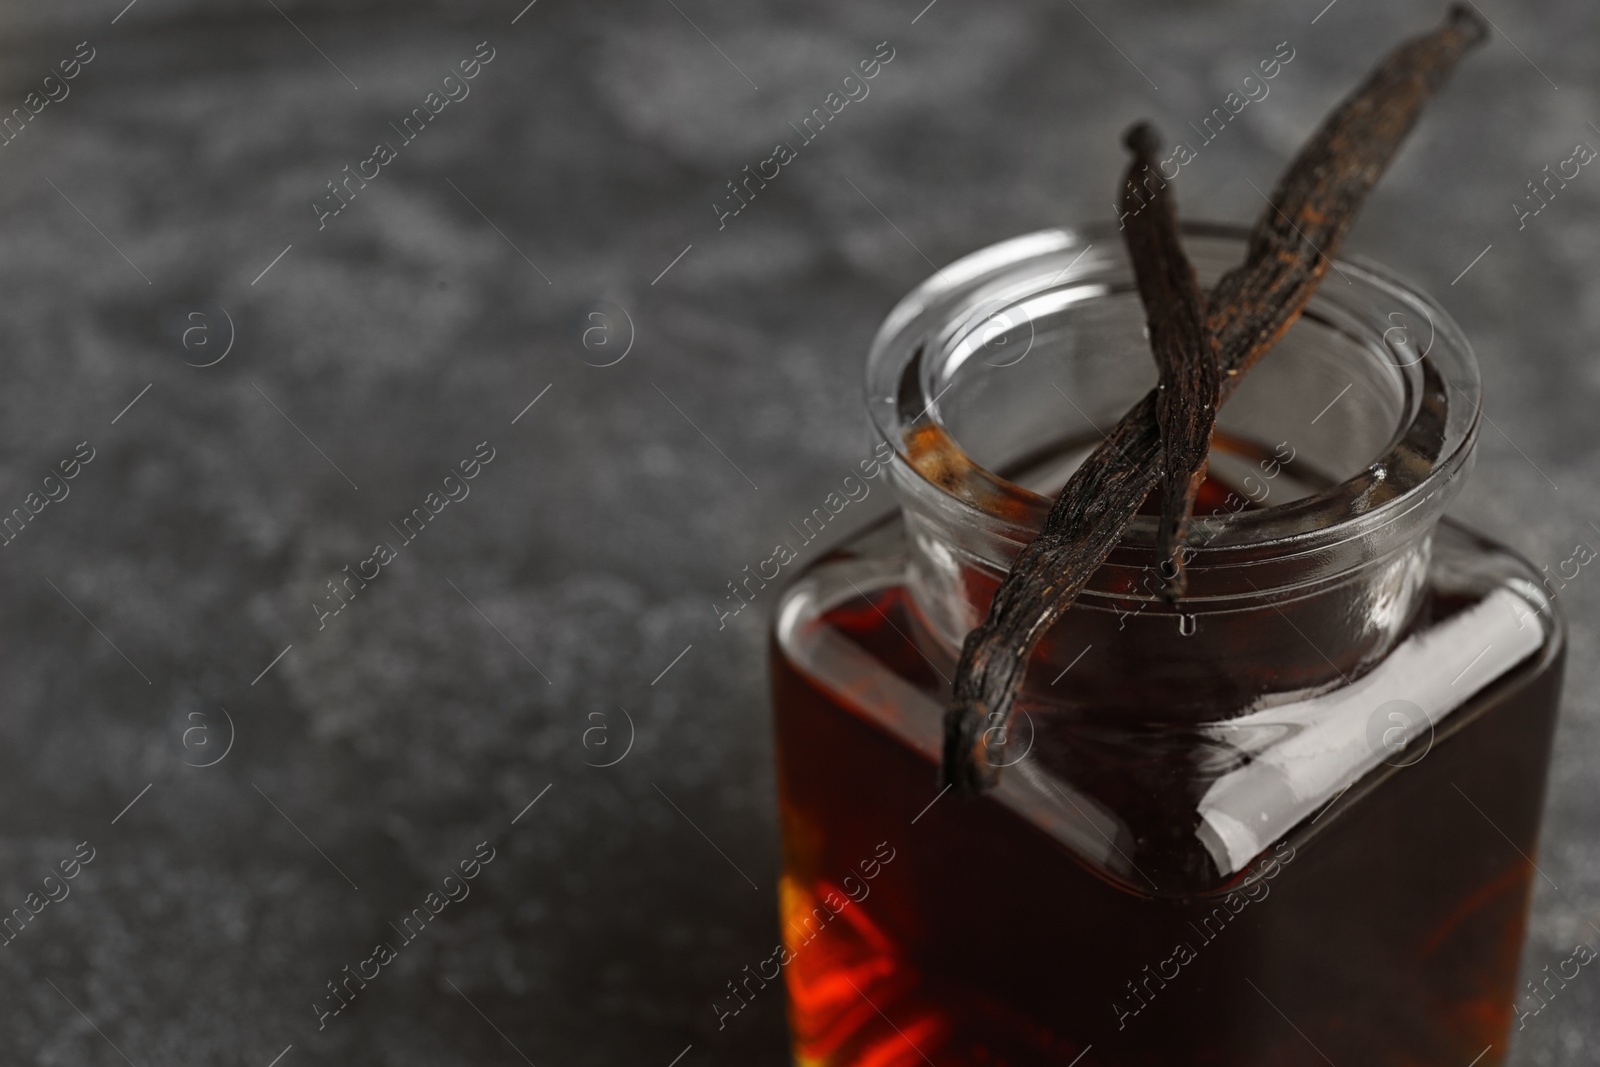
{"points": [[1288, 820]]}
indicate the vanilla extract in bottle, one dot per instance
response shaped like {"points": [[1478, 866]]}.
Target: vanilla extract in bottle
{"points": [[1289, 819]]}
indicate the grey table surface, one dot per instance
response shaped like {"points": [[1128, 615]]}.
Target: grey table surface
{"points": [[163, 611]]}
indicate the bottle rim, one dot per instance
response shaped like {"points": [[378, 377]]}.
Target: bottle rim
{"points": [[919, 347]]}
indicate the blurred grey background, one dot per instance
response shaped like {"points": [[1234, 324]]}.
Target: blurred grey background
{"points": [[368, 358]]}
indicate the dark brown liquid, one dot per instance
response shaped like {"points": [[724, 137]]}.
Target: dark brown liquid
{"points": [[1389, 938]]}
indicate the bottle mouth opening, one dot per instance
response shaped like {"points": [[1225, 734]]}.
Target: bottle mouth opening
{"points": [[996, 376]]}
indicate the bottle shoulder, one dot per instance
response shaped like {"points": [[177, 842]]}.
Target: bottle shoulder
{"points": [[1192, 801]]}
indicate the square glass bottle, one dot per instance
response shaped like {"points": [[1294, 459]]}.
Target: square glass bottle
{"points": [[1287, 820]]}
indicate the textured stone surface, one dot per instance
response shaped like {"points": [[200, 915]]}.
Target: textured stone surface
{"points": [[459, 685]]}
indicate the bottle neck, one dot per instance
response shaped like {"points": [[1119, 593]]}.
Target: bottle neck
{"points": [[1331, 466]]}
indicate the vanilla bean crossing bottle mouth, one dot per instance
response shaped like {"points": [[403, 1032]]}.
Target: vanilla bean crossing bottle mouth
{"points": [[1348, 677]]}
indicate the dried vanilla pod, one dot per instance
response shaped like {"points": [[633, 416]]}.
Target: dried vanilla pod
{"points": [[1184, 349], [1249, 309]]}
